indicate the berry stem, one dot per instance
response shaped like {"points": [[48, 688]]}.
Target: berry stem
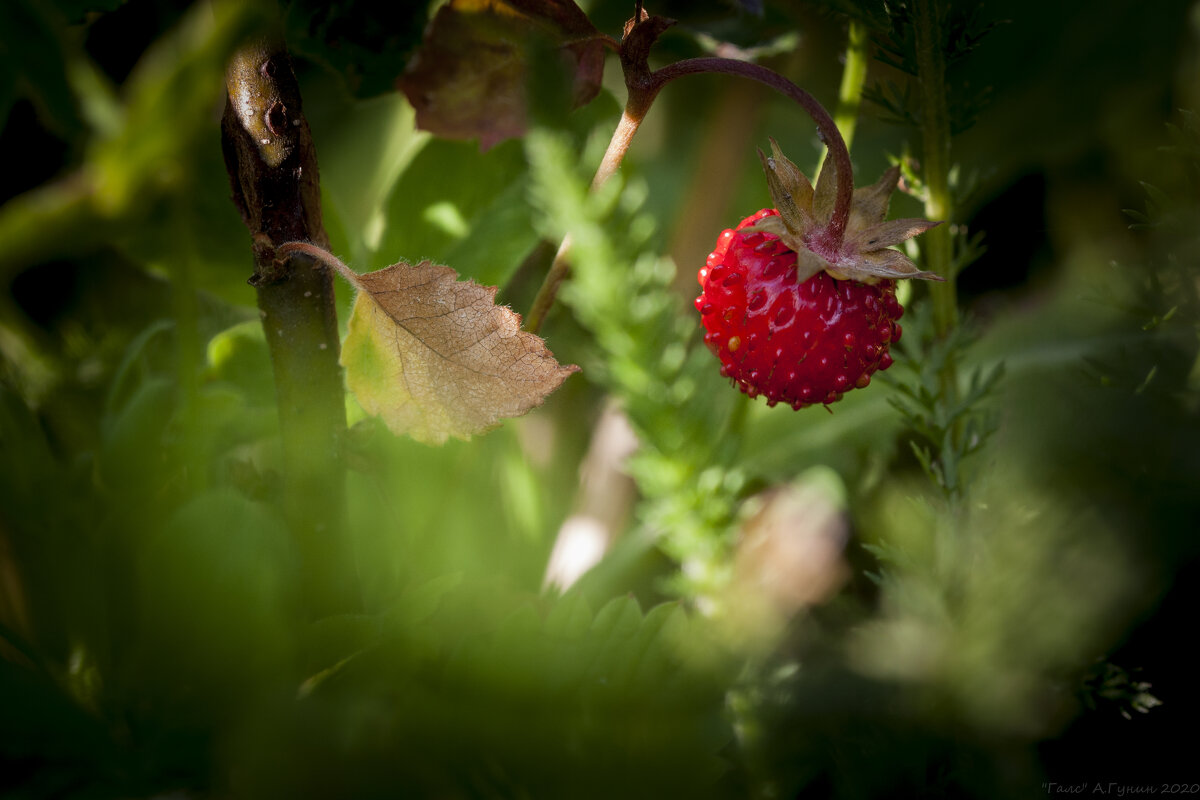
{"points": [[643, 86], [827, 129], [618, 145]]}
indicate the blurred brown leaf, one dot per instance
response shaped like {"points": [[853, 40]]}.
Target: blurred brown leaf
{"points": [[468, 78]]}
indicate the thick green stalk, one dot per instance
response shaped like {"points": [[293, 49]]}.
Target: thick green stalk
{"points": [[939, 205], [935, 163], [854, 77], [273, 170]]}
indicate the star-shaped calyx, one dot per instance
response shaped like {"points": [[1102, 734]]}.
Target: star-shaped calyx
{"points": [[863, 250]]}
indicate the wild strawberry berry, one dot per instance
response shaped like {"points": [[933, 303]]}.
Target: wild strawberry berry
{"points": [[792, 342], [797, 311]]}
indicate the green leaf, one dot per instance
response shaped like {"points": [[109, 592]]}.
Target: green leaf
{"points": [[365, 147], [1158, 199], [420, 602], [218, 601], [132, 432], [647, 647], [643, 348], [364, 43], [199, 228], [620, 618], [238, 355], [330, 640], [445, 181], [501, 235], [571, 617]]}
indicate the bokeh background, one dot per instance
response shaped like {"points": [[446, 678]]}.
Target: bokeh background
{"points": [[788, 605]]}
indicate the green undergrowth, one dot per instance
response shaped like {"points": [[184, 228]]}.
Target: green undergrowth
{"points": [[990, 520]]}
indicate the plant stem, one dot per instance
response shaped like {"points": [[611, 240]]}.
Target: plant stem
{"points": [[939, 204], [643, 87], [827, 129], [854, 77], [273, 170], [618, 145], [935, 167], [557, 273]]}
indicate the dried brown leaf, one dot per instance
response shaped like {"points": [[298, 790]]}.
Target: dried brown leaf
{"points": [[468, 78], [870, 203], [434, 356], [790, 191], [886, 234], [825, 193], [886, 264]]}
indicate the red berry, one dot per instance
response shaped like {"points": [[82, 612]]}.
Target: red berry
{"points": [[794, 342]]}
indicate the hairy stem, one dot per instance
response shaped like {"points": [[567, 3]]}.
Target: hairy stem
{"points": [[935, 166], [854, 77], [273, 170]]}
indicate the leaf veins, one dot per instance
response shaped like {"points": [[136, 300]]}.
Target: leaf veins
{"points": [[434, 356]]}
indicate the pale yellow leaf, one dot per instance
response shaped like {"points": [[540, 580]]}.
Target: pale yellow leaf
{"points": [[435, 357]]}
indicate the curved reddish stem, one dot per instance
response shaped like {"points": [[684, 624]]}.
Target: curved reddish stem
{"points": [[643, 86], [827, 129]]}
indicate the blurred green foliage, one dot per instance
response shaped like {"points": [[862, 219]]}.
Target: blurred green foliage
{"points": [[153, 633]]}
